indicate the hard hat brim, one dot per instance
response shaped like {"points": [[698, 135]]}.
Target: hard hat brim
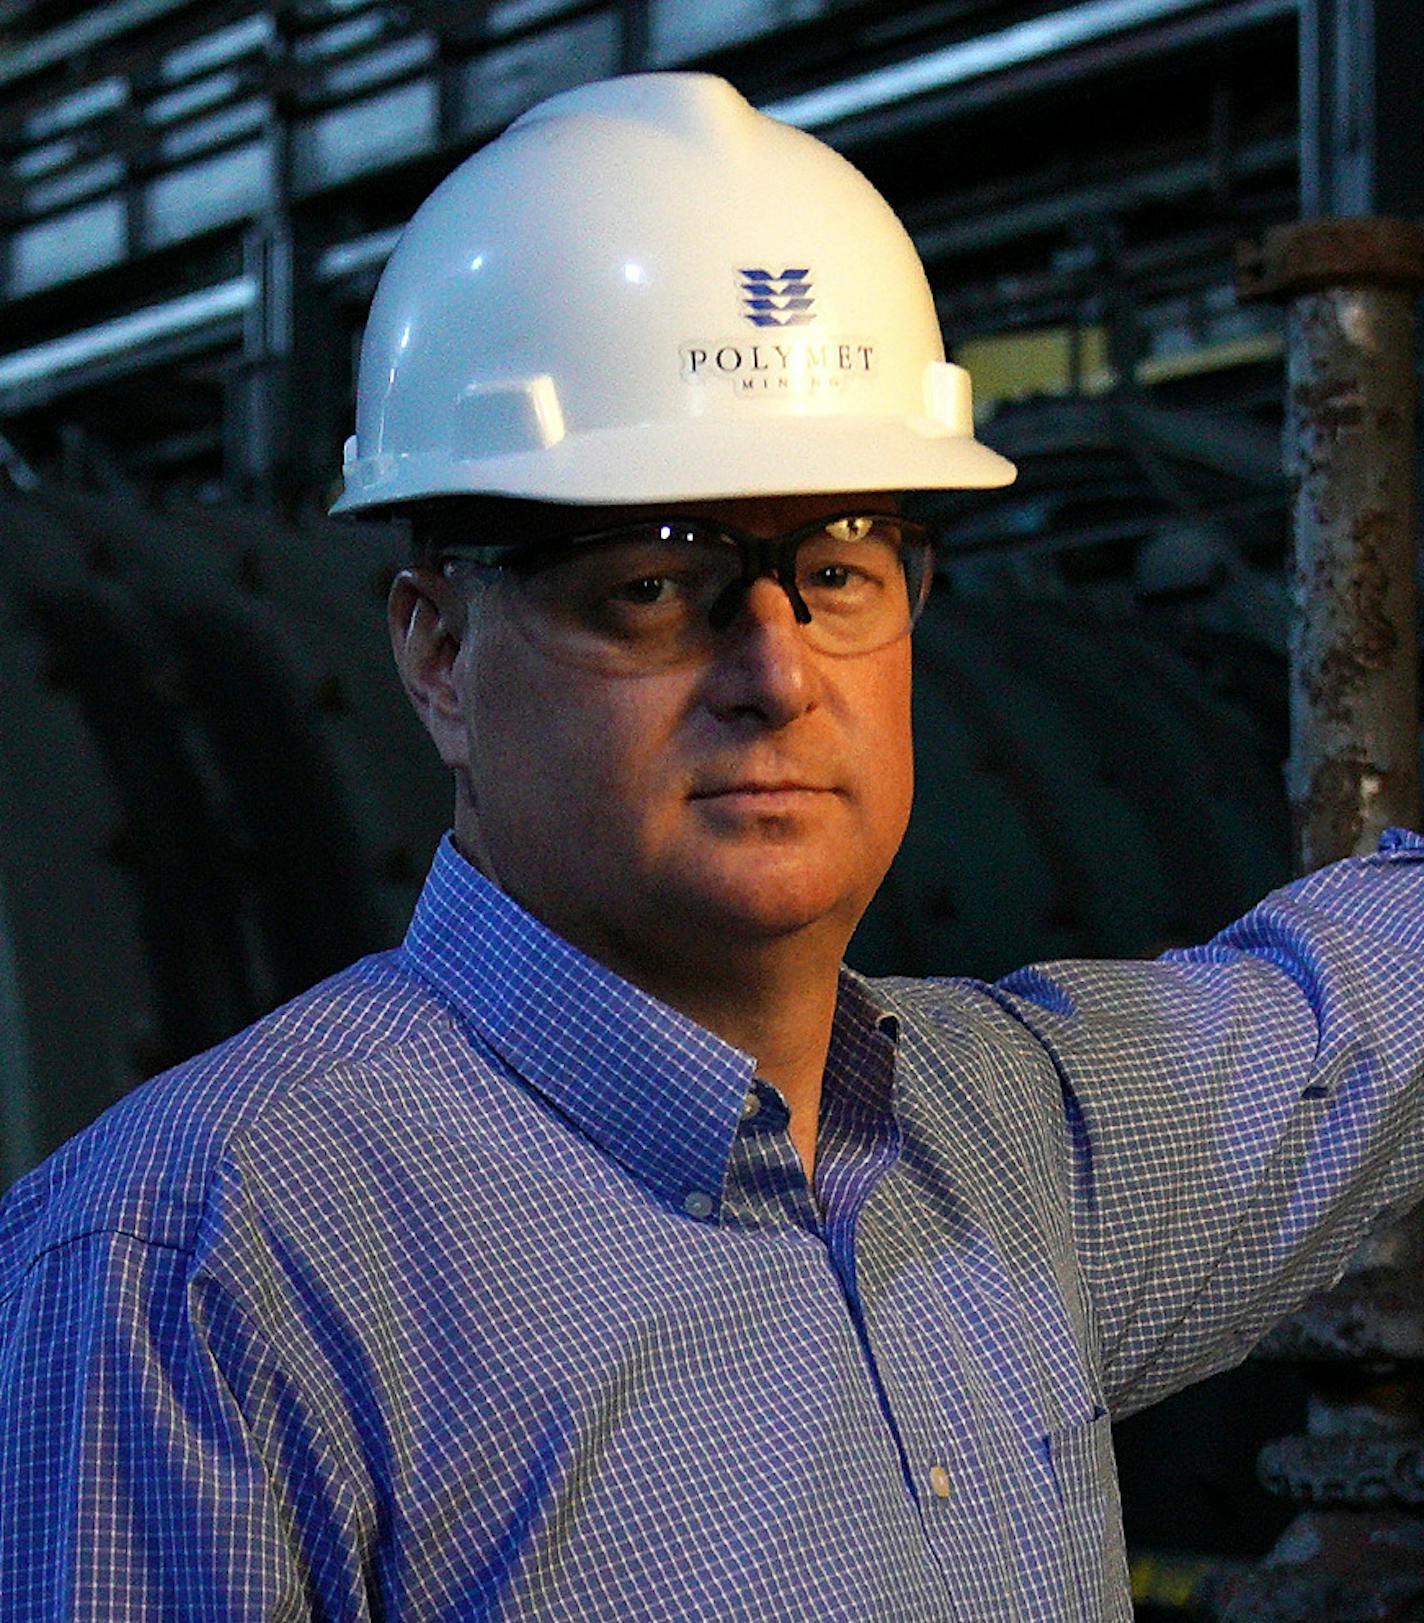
{"points": [[664, 462]]}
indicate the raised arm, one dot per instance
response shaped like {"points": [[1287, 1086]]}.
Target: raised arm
{"points": [[1237, 1114]]}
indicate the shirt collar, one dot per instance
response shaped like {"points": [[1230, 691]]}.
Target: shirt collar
{"points": [[654, 1090]]}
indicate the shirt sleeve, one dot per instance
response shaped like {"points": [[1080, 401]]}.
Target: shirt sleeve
{"points": [[130, 1487], [1238, 1114]]}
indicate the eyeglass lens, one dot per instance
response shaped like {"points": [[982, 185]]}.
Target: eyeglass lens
{"points": [[657, 594]]}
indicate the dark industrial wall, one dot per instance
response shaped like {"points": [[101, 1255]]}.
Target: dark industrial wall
{"points": [[212, 790]]}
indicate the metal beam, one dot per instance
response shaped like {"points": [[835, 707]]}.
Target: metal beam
{"points": [[94, 27], [959, 226], [1034, 40], [1361, 136], [128, 336]]}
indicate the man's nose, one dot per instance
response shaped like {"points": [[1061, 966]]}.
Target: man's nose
{"points": [[763, 664], [767, 602]]}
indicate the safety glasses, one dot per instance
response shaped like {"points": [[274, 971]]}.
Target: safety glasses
{"points": [[663, 592]]}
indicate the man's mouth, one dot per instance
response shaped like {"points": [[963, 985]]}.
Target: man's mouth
{"points": [[758, 787], [764, 795]]}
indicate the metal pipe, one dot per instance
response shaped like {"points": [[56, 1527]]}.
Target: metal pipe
{"points": [[1354, 761], [1349, 436], [1033, 40], [1356, 1550]]}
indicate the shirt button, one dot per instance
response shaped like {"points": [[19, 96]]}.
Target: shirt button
{"points": [[939, 1481], [697, 1204], [750, 1105]]}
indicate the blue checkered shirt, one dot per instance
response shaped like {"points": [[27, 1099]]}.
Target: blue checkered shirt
{"points": [[477, 1284]]}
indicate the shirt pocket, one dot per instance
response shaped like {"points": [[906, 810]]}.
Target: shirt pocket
{"points": [[1085, 1475]]}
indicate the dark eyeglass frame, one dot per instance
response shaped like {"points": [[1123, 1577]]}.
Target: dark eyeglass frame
{"points": [[760, 555]]}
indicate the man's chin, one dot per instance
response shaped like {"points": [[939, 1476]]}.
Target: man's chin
{"points": [[767, 903]]}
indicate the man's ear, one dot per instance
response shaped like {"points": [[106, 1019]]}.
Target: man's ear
{"points": [[427, 617]]}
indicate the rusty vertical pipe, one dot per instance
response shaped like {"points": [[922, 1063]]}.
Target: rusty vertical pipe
{"points": [[1350, 404], [1357, 1548], [1354, 761]]}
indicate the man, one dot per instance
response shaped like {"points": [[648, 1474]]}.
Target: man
{"points": [[608, 1251]]}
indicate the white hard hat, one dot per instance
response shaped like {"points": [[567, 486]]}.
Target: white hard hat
{"points": [[646, 290]]}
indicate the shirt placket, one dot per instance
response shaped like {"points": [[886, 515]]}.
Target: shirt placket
{"points": [[964, 1525], [977, 1508], [858, 1143]]}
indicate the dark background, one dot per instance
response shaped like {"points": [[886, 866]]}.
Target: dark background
{"points": [[211, 789]]}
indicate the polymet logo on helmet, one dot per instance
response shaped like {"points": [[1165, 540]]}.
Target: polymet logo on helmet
{"points": [[769, 300], [778, 365], [786, 366]]}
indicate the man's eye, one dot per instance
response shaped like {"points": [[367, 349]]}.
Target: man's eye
{"points": [[842, 579], [648, 589], [834, 576]]}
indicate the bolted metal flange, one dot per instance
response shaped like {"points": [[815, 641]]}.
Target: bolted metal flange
{"points": [[1302, 256]]}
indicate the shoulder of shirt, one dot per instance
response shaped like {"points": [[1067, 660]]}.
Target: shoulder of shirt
{"points": [[146, 1165], [958, 1010], [936, 999]]}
